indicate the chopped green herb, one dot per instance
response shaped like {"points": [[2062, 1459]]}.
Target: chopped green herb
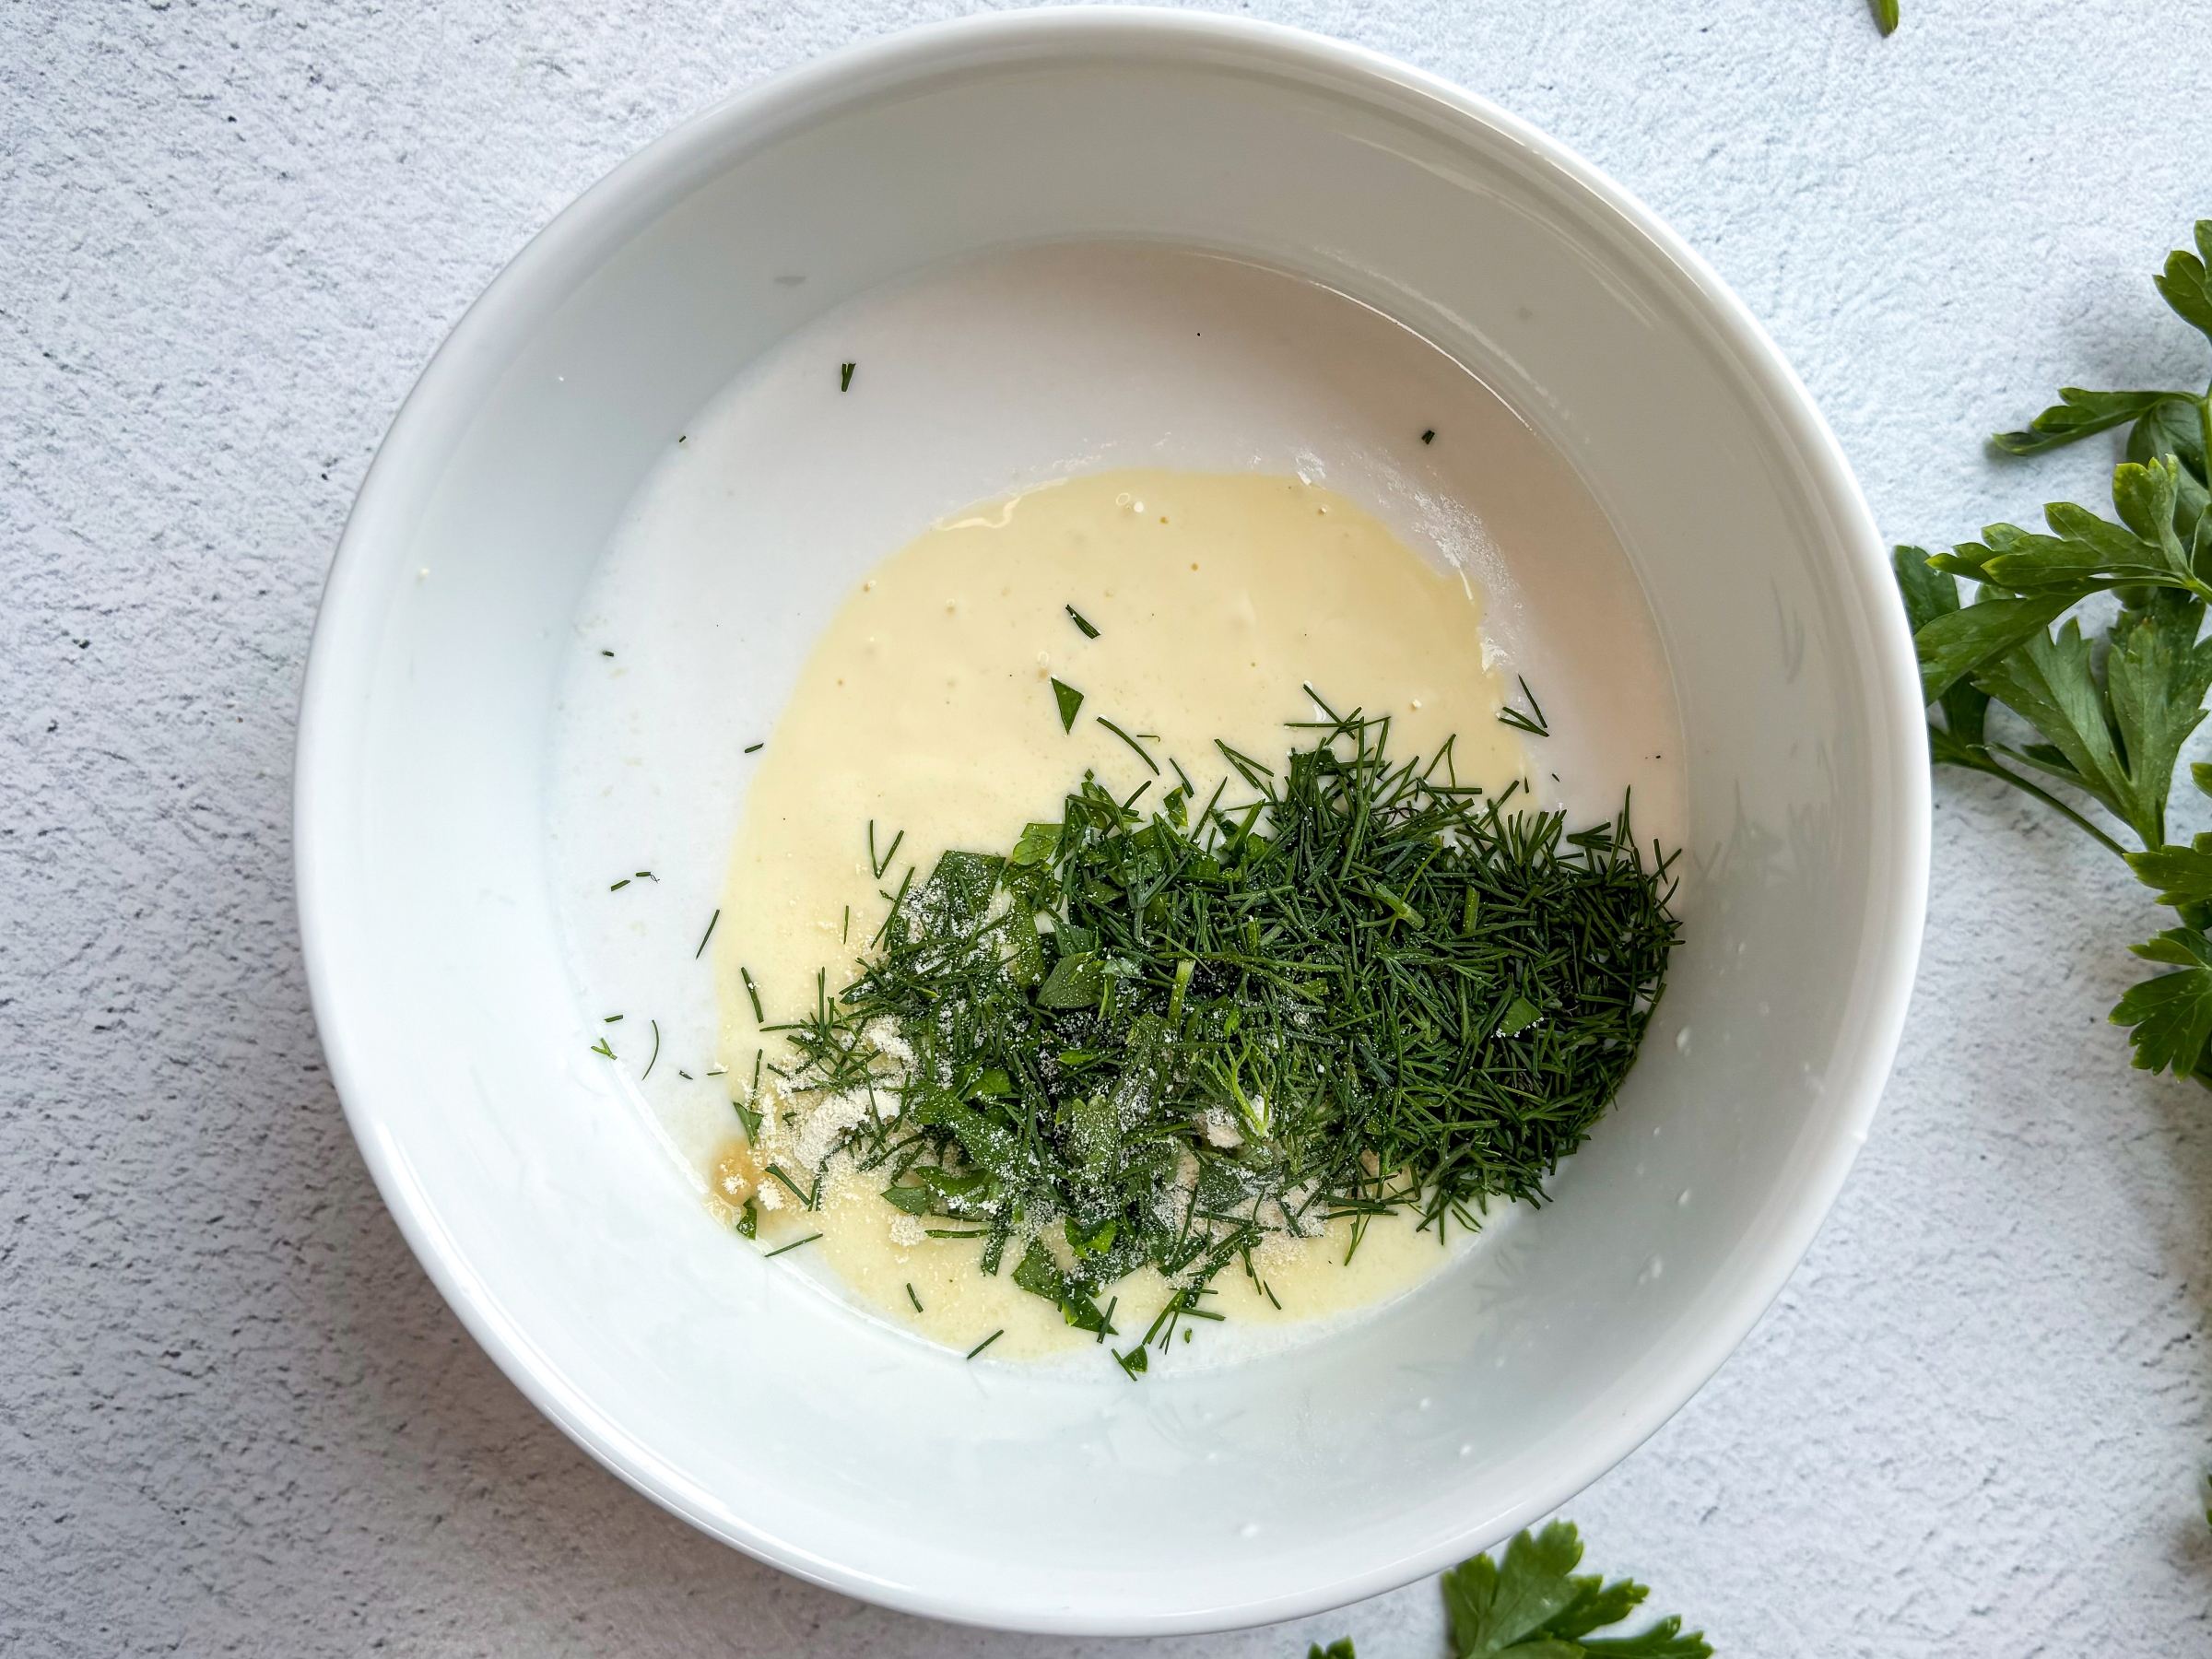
{"points": [[708, 934], [806, 1199], [809, 1239], [1131, 742], [985, 1343], [912, 1298], [656, 1052], [880, 866], [686, 1076], [606, 653], [600, 1048], [1533, 724], [1076, 617], [618, 886], [844, 377], [1428, 436], [754, 748], [1070, 702], [1365, 988], [753, 992], [611, 1019], [749, 1220]]}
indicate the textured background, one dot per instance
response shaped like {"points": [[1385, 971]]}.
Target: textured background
{"points": [[233, 1414]]}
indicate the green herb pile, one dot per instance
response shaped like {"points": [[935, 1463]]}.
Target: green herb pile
{"points": [[2112, 705], [1534, 1606], [1359, 988]]}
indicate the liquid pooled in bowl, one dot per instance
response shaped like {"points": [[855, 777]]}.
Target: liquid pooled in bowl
{"points": [[1354, 501], [1039, 1124]]}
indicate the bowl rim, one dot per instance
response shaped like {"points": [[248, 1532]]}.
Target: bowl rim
{"points": [[643, 186]]}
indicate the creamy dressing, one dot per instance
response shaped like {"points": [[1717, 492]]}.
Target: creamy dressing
{"points": [[926, 711], [740, 566]]}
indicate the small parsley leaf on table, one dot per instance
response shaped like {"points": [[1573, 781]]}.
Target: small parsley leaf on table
{"points": [[1531, 1606], [2171, 1013], [2185, 873], [2185, 284], [2116, 737], [2079, 413]]}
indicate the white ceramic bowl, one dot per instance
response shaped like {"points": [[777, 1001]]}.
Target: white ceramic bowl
{"points": [[755, 1409]]}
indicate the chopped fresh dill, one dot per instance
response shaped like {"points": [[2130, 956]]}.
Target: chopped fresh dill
{"points": [[600, 1048], [844, 377], [1533, 724], [617, 886], [985, 1343], [1070, 702], [780, 1249], [807, 1200], [912, 1298], [754, 748], [606, 653], [611, 1019], [880, 864], [708, 934], [656, 1051], [686, 1076], [1131, 742], [1363, 988], [1428, 436], [844, 934], [752, 990], [1089, 629]]}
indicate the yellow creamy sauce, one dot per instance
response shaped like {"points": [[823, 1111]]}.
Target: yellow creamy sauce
{"points": [[926, 707]]}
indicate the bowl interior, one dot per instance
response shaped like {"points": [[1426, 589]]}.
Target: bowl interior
{"points": [[755, 1408]]}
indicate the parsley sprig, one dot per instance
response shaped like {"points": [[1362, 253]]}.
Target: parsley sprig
{"points": [[1532, 1605], [2113, 706], [1154, 1040]]}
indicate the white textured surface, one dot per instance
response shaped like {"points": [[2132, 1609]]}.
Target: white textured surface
{"points": [[234, 1416]]}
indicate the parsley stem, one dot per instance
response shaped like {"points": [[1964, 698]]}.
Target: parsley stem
{"points": [[1984, 764]]}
